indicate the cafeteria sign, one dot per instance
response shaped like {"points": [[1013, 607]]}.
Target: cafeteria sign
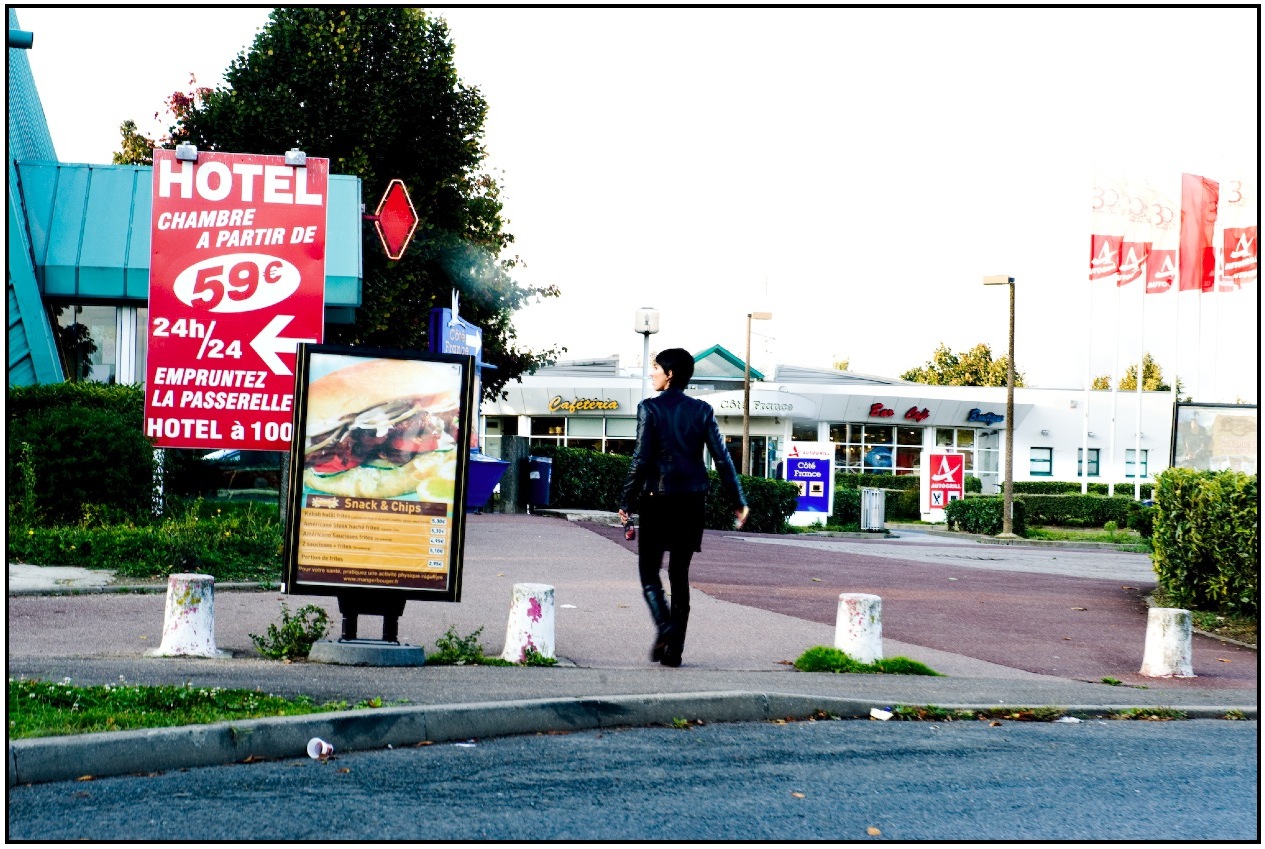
{"points": [[236, 282], [378, 471]]}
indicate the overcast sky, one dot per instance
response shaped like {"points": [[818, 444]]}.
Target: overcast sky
{"points": [[854, 171]]}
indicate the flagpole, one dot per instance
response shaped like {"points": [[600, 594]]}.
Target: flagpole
{"points": [[1137, 431]]}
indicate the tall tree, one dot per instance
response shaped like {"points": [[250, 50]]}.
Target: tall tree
{"points": [[1152, 378], [375, 90], [975, 367]]}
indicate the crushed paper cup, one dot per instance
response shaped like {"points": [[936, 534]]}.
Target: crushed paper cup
{"points": [[318, 749], [879, 713]]}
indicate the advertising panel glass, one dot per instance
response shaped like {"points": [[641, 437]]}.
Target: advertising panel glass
{"points": [[378, 472]]}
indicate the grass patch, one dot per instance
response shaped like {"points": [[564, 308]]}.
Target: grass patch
{"points": [[1239, 628], [829, 659], [1154, 714], [230, 541], [1118, 536], [44, 709]]}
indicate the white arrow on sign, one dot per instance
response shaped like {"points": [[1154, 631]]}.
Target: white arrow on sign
{"points": [[269, 343]]}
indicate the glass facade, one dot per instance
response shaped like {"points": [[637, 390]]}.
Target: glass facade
{"points": [[608, 435], [100, 344]]}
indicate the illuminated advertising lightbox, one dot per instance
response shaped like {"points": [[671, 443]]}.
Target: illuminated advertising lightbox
{"points": [[810, 466], [943, 480], [378, 472]]}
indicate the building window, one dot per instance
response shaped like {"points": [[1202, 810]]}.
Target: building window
{"points": [[1093, 462], [804, 431], [1041, 462], [1129, 460]]}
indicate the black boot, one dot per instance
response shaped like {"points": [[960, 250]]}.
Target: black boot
{"points": [[659, 613], [676, 635]]}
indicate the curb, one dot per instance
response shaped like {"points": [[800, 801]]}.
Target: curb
{"points": [[64, 758]]}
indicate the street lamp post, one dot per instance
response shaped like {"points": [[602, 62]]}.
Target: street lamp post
{"points": [[1008, 493], [746, 394], [645, 322]]}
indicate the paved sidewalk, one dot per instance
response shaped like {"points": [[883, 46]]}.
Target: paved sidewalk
{"points": [[737, 659]]}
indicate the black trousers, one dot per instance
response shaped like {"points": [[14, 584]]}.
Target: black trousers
{"points": [[671, 524]]}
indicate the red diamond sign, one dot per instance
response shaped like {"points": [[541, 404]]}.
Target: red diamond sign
{"points": [[395, 220]]}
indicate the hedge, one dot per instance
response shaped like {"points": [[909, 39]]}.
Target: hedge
{"points": [[1070, 487], [1207, 540], [983, 514], [1090, 511], [591, 480]]}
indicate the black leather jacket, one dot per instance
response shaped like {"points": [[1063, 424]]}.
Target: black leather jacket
{"points": [[671, 432]]}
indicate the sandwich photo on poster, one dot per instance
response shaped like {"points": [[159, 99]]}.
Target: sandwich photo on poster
{"points": [[378, 471]]}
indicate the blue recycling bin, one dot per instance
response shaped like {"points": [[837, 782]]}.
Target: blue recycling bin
{"points": [[539, 473]]}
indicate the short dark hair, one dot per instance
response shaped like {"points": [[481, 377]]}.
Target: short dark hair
{"points": [[678, 361]]}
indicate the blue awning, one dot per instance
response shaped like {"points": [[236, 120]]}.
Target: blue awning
{"points": [[89, 228]]}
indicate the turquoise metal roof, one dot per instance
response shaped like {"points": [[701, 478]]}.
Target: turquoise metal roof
{"points": [[89, 228]]}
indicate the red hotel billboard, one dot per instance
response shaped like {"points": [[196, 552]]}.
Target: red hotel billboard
{"points": [[236, 282]]}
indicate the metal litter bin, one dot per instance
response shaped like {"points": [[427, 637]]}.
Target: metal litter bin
{"points": [[873, 509]]}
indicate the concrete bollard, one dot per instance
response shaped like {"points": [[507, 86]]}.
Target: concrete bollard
{"points": [[859, 627], [530, 622], [1167, 652], [189, 619]]}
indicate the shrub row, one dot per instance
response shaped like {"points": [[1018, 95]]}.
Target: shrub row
{"points": [[984, 514], [1207, 540], [73, 446], [1067, 487], [591, 480]]}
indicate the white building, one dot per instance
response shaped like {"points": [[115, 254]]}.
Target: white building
{"points": [[881, 425]]}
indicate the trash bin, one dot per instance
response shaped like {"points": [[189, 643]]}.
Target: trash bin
{"points": [[539, 473], [873, 509]]}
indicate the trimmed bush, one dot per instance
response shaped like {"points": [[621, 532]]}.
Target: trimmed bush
{"points": [[1073, 511], [591, 480], [1207, 540], [983, 514], [1074, 487], [877, 481]]}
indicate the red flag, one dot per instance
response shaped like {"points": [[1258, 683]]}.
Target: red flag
{"points": [[1161, 262], [1237, 216], [1197, 260], [1136, 245], [1106, 228]]}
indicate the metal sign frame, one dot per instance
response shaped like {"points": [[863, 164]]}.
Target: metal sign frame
{"points": [[346, 538]]}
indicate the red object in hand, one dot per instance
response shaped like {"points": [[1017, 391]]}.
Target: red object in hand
{"points": [[629, 531]]}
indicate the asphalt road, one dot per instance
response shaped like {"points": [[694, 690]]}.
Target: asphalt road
{"points": [[836, 781]]}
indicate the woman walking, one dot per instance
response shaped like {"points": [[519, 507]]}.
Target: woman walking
{"points": [[667, 484]]}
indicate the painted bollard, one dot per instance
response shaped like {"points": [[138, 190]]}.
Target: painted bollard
{"points": [[1167, 651], [859, 627], [189, 618], [530, 624]]}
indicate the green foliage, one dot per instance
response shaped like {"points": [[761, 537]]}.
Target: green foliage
{"points": [[455, 650], [982, 514], [847, 508], [1076, 510], [381, 99], [1141, 518], [1206, 540], [72, 454], [1043, 487], [591, 480], [771, 501], [1152, 378], [293, 638], [974, 484], [231, 541], [44, 709], [975, 367], [830, 659], [850, 481], [584, 478]]}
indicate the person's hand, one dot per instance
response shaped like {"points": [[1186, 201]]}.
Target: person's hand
{"points": [[741, 515], [623, 517]]}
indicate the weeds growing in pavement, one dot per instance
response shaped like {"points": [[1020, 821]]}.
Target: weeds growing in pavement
{"points": [[293, 639], [829, 659]]}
